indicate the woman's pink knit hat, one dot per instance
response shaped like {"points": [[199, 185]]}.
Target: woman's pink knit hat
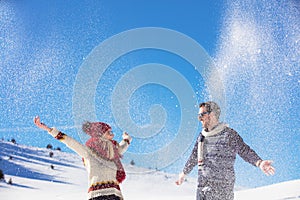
{"points": [[95, 129]]}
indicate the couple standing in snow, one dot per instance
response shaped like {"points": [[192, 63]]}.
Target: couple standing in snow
{"points": [[214, 153]]}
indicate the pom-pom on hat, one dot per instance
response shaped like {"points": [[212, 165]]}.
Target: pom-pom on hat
{"points": [[95, 129]]}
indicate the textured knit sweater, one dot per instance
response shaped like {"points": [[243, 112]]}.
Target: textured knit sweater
{"points": [[101, 172], [219, 155]]}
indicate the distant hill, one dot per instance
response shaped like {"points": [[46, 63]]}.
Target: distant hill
{"points": [[36, 175]]}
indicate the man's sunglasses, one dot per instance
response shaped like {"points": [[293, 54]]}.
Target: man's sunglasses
{"points": [[202, 114]]}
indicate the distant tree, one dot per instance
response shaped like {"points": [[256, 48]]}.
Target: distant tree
{"points": [[132, 162], [49, 146], [10, 157], [58, 148], [52, 166], [13, 141], [51, 154], [10, 181], [1, 175]]}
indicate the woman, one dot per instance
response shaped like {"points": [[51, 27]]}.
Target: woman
{"points": [[101, 155]]}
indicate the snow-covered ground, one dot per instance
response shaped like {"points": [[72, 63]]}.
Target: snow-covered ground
{"points": [[32, 177]]}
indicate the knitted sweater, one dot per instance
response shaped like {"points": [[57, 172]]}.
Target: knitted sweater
{"points": [[219, 155], [101, 172]]}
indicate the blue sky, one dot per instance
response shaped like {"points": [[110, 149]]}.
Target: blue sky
{"points": [[254, 45]]}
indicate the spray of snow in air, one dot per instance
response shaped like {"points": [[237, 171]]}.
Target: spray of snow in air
{"points": [[258, 59]]}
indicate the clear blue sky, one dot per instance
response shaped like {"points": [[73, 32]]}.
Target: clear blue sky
{"points": [[255, 46]]}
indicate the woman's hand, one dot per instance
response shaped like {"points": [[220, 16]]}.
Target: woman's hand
{"points": [[126, 137], [38, 123]]}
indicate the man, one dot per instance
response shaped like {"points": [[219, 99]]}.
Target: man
{"points": [[215, 153]]}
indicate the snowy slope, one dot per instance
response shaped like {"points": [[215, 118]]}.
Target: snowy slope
{"points": [[32, 177]]}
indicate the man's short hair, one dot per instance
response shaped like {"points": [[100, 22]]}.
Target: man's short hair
{"points": [[211, 107]]}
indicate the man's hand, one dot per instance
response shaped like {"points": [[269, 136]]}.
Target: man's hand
{"points": [[266, 167], [180, 180]]}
